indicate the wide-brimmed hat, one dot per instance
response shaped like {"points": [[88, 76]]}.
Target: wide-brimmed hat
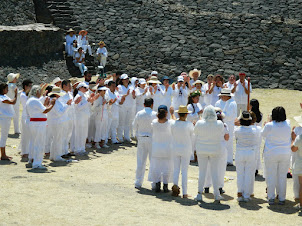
{"points": [[124, 76], [142, 81], [194, 71], [83, 84], [217, 109], [226, 92], [70, 30], [245, 118], [73, 80], [198, 82], [56, 91], [183, 110], [166, 78], [57, 79], [154, 79], [12, 76], [83, 31], [107, 81], [298, 120], [210, 75], [102, 43]]}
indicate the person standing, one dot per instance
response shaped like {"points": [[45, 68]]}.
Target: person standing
{"points": [[180, 93], [277, 136], [155, 91], [229, 108], [198, 86], [69, 38], [207, 95], [230, 84], [194, 74], [141, 94], [241, 92], [166, 92], [102, 54], [83, 42], [142, 124], [215, 89]]}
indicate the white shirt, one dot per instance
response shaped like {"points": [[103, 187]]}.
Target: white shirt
{"points": [[229, 85], [78, 55], [69, 40], [247, 137], [35, 109], [229, 108], [201, 97], [182, 137], [82, 108], [23, 100], [129, 101], [114, 108], [98, 105], [180, 97], [166, 97], [140, 98], [240, 95], [57, 114], [142, 122], [207, 96], [82, 40], [102, 51], [70, 109], [157, 96], [6, 110], [195, 108], [277, 137], [215, 93]]}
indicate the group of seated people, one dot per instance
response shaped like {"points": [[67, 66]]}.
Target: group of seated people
{"points": [[77, 47], [191, 121]]}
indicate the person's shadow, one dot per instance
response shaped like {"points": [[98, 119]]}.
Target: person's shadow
{"points": [[253, 204], [214, 206], [288, 208]]}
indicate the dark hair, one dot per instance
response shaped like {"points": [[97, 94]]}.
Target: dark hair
{"points": [[26, 82], [255, 108], [148, 102], [2, 88], [75, 92], [182, 114], [162, 113], [119, 73], [245, 114], [254, 117], [92, 83], [65, 82], [190, 101], [219, 116], [111, 82], [278, 114], [86, 73], [48, 89], [218, 77]]}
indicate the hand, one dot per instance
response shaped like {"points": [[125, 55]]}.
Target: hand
{"points": [[78, 100], [16, 91], [45, 93], [171, 110], [116, 88], [150, 89], [53, 101], [47, 100], [122, 99], [173, 86], [293, 135], [187, 79], [104, 102], [200, 112], [128, 92], [69, 102]]}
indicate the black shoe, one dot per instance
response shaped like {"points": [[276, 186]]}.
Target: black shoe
{"points": [[166, 188], [157, 187], [221, 191], [230, 164], [206, 190], [289, 175], [256, 173]]}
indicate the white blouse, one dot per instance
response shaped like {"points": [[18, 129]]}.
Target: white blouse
{"points": [[6, 110]]}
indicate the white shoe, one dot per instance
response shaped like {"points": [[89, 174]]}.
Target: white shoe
{"points": [[246, 199], [105, 146], [198, 198], [88, 145], [240, 199], [219, 197], [40, 167], [98, 146]]}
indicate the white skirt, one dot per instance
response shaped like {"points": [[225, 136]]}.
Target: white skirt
{"points": [[161, 170]]}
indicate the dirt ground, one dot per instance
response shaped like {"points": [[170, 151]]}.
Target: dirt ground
{"points": [[99, 189]]}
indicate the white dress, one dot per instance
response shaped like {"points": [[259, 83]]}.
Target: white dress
{"points": [[297, 167], [161, 167]]}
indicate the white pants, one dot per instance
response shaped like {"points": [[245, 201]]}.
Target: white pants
{"points": [[112, 127], [258, 159], [132, 116], [203, 161], [55, 134], [16, 117], [241, 108], [245, 168], [91, 128], [276, 174], [37, 141], [25, 135], [82, 67], [229, 143], [101, 123], [124, 123], [181, 163], [102, 60], [85, 47], [161, 170], [81, 133], [143, 152], [67, 136], [296, 185], [68, 49], [5, 124]]}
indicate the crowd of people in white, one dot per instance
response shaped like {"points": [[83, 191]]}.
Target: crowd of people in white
{"points": [[173, 123]]}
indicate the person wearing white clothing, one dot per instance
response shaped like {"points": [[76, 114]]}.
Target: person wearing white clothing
{"points": [[194, 74], [6, 114], [198, 86], [24, 143], [166, 93], [102, 54], [83, 42], [155, 91], [79, 60], [240, 91], [194, 107], [277, 136], [182, 140], [69, 38], [37, 125], [142, 124], [208, 133], [296, 132], [247, 140], [230, 84], [180, 93], [215, 89], [141, 94], [229, 108], [206, 88]]}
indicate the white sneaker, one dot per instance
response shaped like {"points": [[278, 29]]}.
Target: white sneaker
{"points": [[198, 198], [219, 197], [105, 146], [240, 199], [98, 146], [88, 145]]}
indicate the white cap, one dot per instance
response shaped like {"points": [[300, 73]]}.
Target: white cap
{"points": [[12, 76], [107, 81], [133, 80], [154, 73], [142, 81], [180, 78], [57, 79], [124, 76], [83, 84], [102, 88]]}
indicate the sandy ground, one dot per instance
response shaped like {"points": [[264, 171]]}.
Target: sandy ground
{"points": [[99, 190]]}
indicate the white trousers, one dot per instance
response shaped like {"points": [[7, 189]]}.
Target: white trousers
{"points": [[124, 123], [85, 48], [82, 67], [245, 168], [68, 49], [132, 116], [112, 128], [55, 134], [276, 174], [229, 144], [16, 117], [101, 123], [203, 161], [37, 141], [241, 108], [181, 163], [143, 152], [296, 185], [67, 136], [4, 124], [103, 60], [91, 128], [81, 133], [25, 135]]}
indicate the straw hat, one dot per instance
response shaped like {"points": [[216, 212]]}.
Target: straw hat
{"points": [[83, 32], [183, 110], [198, 82], [226, 92], [73, 80], [194, 71], [57, 79], [217, 109], [102, 43], [154, 79], [12, 76], [70, 30], [210, 76], [298, 120], [56, 91]]}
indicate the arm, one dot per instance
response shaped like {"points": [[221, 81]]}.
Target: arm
{"points": [[8, 101], [49, 107]]}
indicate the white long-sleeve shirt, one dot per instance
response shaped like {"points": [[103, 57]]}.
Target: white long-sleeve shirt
{"points": [[142, 122], [82, 108], [103, 51], [113, 110], [229, 108], [240, 95], [180, 97]]}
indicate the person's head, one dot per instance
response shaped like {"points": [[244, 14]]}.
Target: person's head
{"points": [[148, 102], [166, 81], [194, 74], [219, 80], [254, 107], [124, 80], [154, 73], [198, 84], [66, 85], [75, 43], [232, 79], [49, 89], [92, 86], [242, 76], [180, 80], [3, 88], [210, 78], [219, 113], [83, 87], [111, 86], [182, 112], [87, 76], [209, 114], [13, 77], [35, 91], [80, 49], [254, 117], [278, 114], [102, 44], [102, 90], [162, 112], [27, 84], [142, 83], [194, 97], [245, 118], [225, 94]]}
